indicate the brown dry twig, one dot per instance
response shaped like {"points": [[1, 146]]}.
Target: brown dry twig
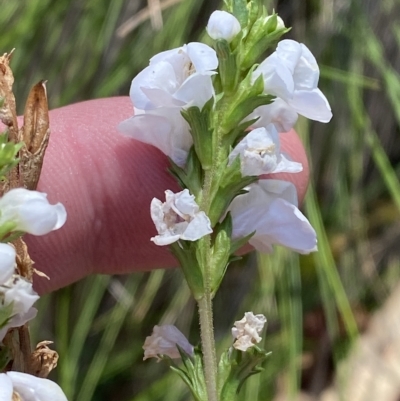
{"points": [[153, 11], [35, 135]]}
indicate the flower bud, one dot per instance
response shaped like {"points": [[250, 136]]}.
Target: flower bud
{"points": [[279, 22], [223, 25], [164, 341], [30, 212]]}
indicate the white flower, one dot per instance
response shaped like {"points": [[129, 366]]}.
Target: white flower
{"points": [[246, 331], [164, 341], [175, 79], [178, 218], [7, 262], [259, 153], [270, 209], [291, 74], [28, 388], [31, 212], [223, 25], [20, 293]]}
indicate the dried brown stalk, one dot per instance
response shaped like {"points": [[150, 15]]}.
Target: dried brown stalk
{"points": [[35, 135], [7, 111], [143, 15], [43, 359]]}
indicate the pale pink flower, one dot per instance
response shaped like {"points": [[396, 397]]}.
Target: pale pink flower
{"points": [[164, 341], [179, 217]]}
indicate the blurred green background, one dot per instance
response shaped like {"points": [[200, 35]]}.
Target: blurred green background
{"points": [[315, 305]]}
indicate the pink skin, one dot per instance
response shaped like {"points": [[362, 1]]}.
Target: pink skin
{"points": [[106, 182]]}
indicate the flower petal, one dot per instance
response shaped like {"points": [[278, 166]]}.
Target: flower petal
{"points": [[6, 388], [39, 217], [19, 291], [159, 75], [164, 341], [195, 91], [32, 388], [203, 57], [278, 79], [31, 211], [7, 262], [269, 208], [278, 113], [285, 225], [246, 331], [197, 228], [260, 153], [178, 218], [311, 104], [184, 202], [289, 52], [306, 73], [163, 128]]}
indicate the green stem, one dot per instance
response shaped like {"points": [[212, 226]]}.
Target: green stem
{"points": [[205, 303], [208, 346]]}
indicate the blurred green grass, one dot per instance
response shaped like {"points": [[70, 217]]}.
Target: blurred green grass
{"points": [[315, 304]]}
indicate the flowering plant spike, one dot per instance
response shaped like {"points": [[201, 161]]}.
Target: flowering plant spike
{"points": [[216, 111]]}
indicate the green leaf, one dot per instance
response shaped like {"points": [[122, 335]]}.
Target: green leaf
{"points": [[238, 133], [237, 366], [227, 67], [262, 35], [5, 356], [8, 153], [220, 252], [185, 252], [192, 373], [239, 9], [248, 97], [199, 122], [231, 185], [191, 177], [6, 314]]}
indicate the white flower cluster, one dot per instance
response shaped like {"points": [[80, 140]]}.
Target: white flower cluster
{"points": [[175, 79], [26, 211], [25, 387], [182, 77]]}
